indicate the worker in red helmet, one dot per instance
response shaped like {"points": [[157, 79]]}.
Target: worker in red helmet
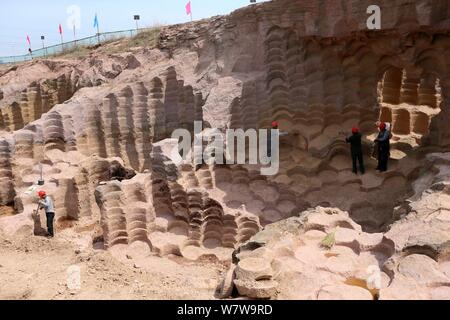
{"points": [[46, 203], [356, 150], [275, 126], [383, 146]]}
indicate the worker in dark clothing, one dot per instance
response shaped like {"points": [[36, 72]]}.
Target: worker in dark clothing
{"points": [[46, 203], [356, 150], [384, 148]]}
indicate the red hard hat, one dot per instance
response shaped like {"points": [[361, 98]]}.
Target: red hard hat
{"points": [[355, 130], [42, 194], [275, 124], [382, 126]]}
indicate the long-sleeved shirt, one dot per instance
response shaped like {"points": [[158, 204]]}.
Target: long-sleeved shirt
{"points": [[355, 142], [383, 136], [383, 140], [269, 140], [47, 204]]}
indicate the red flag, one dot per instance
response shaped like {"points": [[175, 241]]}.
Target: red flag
{"points": [[28, 40], [60, 28], [188, 8]]}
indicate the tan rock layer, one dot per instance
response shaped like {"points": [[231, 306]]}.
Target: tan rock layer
{"points": [[127, 123], [35, 101], [131, 211]]}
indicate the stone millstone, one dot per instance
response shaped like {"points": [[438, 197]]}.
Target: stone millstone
{"points": [[251, 269]]}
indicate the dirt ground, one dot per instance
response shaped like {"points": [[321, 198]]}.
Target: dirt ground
{"points": [[35, 268]]}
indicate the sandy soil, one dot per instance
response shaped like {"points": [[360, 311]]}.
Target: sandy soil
{"points": [[42, 273]]}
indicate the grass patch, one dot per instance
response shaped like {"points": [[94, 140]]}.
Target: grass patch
{"points": [[145, 38], [74, 53]]}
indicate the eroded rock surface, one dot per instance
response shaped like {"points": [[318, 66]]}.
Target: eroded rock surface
{"points": [[99, 131]]}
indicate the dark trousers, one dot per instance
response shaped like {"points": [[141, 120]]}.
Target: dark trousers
{"points": [[358, 158], [50, 218], [383, 158]]}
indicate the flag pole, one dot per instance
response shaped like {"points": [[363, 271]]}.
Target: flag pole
{"points": [[29, 46], [43, 46], [98, 33], [98, 28], [61, 34], [74, 35], [189, 9]]}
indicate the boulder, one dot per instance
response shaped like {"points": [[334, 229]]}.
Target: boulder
{"points": [[264, 289], [254, 269]]}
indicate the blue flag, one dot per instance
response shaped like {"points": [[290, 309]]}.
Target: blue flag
{"points": [[95, 21]]}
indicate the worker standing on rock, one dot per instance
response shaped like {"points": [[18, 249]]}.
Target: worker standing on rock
{"points": [[46, 203], [275, 126], [383, 146], [356, 151]]}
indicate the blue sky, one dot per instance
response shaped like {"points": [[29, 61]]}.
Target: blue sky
{"points": [[19, 18]]}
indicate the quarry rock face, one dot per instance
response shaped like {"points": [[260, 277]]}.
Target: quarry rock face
{"points": [[99, 131], [358, 266]]}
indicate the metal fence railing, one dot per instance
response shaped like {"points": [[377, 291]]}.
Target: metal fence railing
{"points": [[72, 45]]}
